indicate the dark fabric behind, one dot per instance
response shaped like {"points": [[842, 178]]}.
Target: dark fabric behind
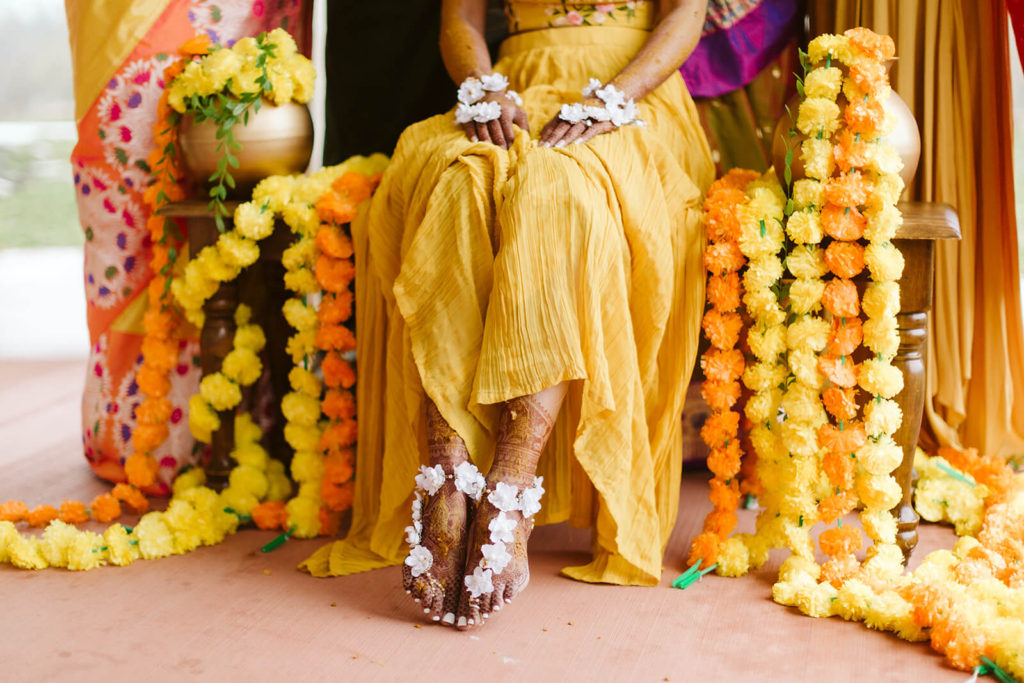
{"points": [[384, 71]]}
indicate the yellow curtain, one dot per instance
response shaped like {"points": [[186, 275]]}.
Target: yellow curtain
{"points": [[103, 33], [954, 72]]}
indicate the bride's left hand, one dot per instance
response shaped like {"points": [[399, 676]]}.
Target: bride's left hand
{"points": [[559, 133]]}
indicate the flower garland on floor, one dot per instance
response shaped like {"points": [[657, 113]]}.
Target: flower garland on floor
{"points": [[820, 454]]}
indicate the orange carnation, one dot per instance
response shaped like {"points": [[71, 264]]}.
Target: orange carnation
{"points": [[723, 257], [333, 274], [840, 298], [335, 338], [197, 46], [845, 259], [132, 497], [840, 370], [720, 523], [723, 223], [845, 336], [338, 435], [870, 77], [880, 47], [842, 223], [73, 512], [724, 461], [334, 209], [41, 515], [851, 151], [722, 329], [724, 292], [845, 440], [847, 189], [339, 405], [724, 496], [336, 308], [721, 365], [720, 429], [13, 511], [105, 508], [838, 569], [865, 118], [840, 403], [720, 396], [270, 515], [338, 497], [338, 466], [332, 241], [839, 468], [840, 540], [152, 382], [337, 371], [704, 548]]}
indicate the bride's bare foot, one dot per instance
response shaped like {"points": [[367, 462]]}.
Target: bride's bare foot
{"points": [[497, 568], [432, 572]]}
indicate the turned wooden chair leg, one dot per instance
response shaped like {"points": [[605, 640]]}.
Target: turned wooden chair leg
{"points": [[910, 360], [215, 342]]}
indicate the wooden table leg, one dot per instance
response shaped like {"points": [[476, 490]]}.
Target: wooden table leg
{"points": [[910, 360], [215, 342]]}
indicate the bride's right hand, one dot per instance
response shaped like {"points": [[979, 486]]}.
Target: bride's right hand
{"points": [[499, 131]]}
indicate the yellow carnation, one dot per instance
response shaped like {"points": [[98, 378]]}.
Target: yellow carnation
{"points": [[767, 341], [248, 480], [307, 466], [274, 192], [300, 408], [817, 157], [301, 344], [879, 525], [154, 537], [220, 392], [882, 417], [120, 549], [203, 420], [237, 250], [189, 478], [305, 381], [804, 227], [878, 491], [818, 116], [823, 82], [301, 437], [805, 294], [301, 281], [881, 335], [880, 377], [827, 46], [301, 254], [253, 221], [803, 363], [303, 517], [299, 315]]}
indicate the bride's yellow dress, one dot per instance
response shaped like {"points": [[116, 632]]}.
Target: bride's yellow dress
{"points": [[485, 274]]}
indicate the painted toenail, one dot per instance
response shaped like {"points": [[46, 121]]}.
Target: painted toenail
{"points": [[435, 618], [497, 608], [462, 621], [485, 615], [471, 622], [449, 618]]}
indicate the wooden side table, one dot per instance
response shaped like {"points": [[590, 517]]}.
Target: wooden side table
{"points": [[217, 336], [923, 224]]}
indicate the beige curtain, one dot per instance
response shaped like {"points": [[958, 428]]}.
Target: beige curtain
{"points": [[953, 71]]}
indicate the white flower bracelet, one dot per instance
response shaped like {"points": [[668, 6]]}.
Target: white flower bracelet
{"points": [[472, 90], [618, 109], [496, 556]]}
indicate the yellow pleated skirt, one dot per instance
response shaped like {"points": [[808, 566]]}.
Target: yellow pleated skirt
{"points": [[485, 274]]}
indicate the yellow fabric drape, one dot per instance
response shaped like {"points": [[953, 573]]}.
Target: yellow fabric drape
{"points": [[953, 71], [486, 274], [96, 50]]}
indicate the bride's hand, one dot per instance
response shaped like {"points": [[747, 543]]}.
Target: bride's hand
{"points": [[559, 133], [498, 131]]}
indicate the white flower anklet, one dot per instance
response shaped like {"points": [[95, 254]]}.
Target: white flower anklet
{"points": [[429, 481], [496, 556], [472, 90], [617, 110]]}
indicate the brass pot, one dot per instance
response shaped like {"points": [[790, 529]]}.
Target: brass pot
{"points": [[277, 140], [905, 137]]}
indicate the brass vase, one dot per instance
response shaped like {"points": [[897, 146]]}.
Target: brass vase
{"points": [[277, 140], [905, 137]]}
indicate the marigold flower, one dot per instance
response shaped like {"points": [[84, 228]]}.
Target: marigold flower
{"points": [[722, 365], [840, 298], [334, 209], [840, 540], [847, 189], [73, 512], [304, 516], [836, 506], [220, 392], [807, 260], [720, 522], [355, 186], [274, 193], [158, 324], [842, 223], [723, 292], [305, 381], [851, 151], [339, 465], [41, 515], [724, 460], [845, 441], [840, 370], [864, 118], [805, 295], [840, 403], [197, 46], [334, 275], [880, 377], [724, 496], [884, 261], [817, 115], [804, 227], [336, 308], [339, 435], [236, 250], [13, 511], [720, 396], [301, 437], [817, 157], [337, 371], [881, 456], [723, 224], [339, 405], [869, 76], [141, 469], [132, 497], [839, 468], [874, 45], [705, 548], [332, 241], [146, 438], [720, 429], [105, 508], [270, 515], [723, 257], [151, 382], [845, 259], [249, 480], [878, 491], [337, 496], [823, 82], [828, 46], [335, 338], [881, 335], [839, 568]]}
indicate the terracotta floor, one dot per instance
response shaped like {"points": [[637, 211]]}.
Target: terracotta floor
{"points": [[231, 613]]}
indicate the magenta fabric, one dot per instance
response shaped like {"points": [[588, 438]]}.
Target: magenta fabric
{"points": [[740, 38]]}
